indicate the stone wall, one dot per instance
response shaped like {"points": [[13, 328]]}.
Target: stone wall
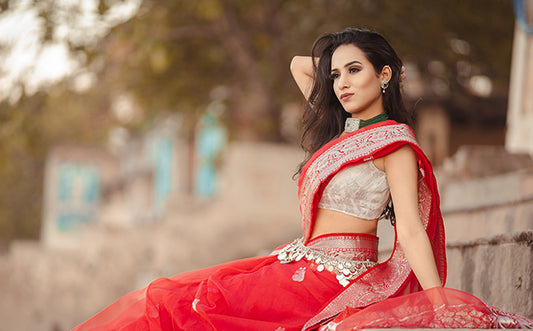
{"points": [[484, 191], [487, 205], [497, 269], [483, 207]]}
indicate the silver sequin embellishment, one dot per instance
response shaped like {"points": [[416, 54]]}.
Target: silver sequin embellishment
{"points": [[345, 269], [351, 124], [299, 275]]}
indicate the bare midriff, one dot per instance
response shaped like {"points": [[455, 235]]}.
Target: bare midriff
{"points": [[330, 221]]}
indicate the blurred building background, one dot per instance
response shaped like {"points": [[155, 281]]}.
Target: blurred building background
{"points": [[139, 139]]}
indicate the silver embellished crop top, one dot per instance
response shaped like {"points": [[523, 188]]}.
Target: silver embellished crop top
{"points": [[360, 190]]}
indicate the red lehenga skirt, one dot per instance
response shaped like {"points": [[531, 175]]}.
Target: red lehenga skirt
{"points": [[260, 293]]}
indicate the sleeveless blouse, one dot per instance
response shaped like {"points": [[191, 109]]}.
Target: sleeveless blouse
{"points": [[360, 190]]}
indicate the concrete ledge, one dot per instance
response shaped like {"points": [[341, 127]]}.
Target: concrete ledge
{"points": [[505, 217], [487, 192], [525, 237]]}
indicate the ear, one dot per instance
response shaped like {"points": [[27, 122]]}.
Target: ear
{"points": [[386, 73]]}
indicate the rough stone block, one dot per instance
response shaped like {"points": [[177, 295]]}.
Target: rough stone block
{"points": [[496, 269]]}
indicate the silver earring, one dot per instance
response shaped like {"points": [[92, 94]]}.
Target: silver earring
{"points": [[384, 85]]}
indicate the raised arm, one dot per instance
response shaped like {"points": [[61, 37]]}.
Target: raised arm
{"points": [[302, 72], [402, 175]]}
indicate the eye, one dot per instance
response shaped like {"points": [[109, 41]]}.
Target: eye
{"points": [[353, 70], [334, 76]]}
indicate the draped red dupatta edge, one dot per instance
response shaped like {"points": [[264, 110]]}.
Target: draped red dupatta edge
{"points": [[393, 277]]}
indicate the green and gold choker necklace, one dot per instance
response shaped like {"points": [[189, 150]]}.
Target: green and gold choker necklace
{"points": [[353, 124]]}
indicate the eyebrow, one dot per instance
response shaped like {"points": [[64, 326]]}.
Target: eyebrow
{"points": [[347, 65]]}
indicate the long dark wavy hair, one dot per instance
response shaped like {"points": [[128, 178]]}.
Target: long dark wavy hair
{"points": [[324, 116]]}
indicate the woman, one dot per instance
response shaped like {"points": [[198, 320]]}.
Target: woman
{"points": [[358, 160], [355, 78]]}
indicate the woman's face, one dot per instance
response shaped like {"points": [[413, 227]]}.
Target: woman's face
{"points": [[355, 82]]}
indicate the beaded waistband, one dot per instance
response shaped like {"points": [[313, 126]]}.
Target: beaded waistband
{"points": [[346, 255]]}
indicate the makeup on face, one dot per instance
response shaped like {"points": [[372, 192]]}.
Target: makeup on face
{"points": [[355, 82]]}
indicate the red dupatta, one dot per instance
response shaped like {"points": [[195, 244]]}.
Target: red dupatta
{"points": [[393, 277]]}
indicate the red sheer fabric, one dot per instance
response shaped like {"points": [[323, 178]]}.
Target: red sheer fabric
{"points": [[434, 308], [250, 294]]}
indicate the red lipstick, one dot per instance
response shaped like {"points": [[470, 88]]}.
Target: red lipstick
{"points": [[346, 96]]}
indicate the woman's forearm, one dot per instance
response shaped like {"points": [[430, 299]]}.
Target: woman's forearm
{"points": [[302, 72], [401, 168], [302, 65], [417, 248]]}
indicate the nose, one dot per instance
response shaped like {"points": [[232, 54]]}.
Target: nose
{"points": [[342, 82]]}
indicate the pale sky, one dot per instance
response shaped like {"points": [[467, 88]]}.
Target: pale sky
{"points": [[27, 61]]}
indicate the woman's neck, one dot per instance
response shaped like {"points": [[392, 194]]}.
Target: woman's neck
{"points": [[375, 119], [353, 123]]}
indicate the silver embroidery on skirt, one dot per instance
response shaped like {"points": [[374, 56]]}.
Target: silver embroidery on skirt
{"points": [[345, 269]]}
